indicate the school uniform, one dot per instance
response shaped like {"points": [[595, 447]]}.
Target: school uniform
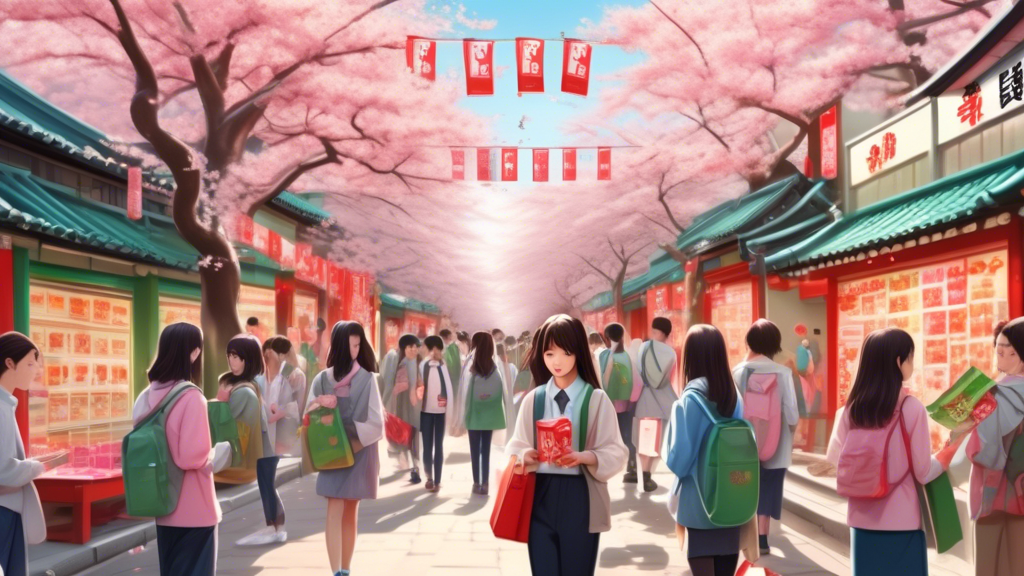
{"points": [[21, 514], [438, 391], [254, 439], [571, 506], [773, 470], [657, 397], [404, 405], [487, 405]]}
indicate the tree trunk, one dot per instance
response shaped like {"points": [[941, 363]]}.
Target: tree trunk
{"points": [[220, 288]]}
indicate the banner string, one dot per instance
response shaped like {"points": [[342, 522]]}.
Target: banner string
{"points": [[495, 146]]}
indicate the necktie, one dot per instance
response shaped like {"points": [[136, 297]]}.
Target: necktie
{"points": [[562, 399]]}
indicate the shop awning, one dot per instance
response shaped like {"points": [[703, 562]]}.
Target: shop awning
{"points": [[910, 214], [661, 271], [404, 303], [300, 207]]}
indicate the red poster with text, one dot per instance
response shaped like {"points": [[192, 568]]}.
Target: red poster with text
{"points": [[243, 230], [604, 163], [530, 64], [421, 57], [509, 164], [303, 261], [483, 164], [576, 66], [260, 238], [274, 246], [134, 193], [458, 164], [540, 165], [319, 272], [335, 280], [829, 145], [479, 57], [569, 164]]}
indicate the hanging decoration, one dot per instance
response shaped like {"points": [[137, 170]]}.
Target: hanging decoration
{"points": [[260, 238], [540, 165], [530, 64], [604, 163], [458, 164], [134, 193], [483, 164], [576, 66], [569, 164], [421, 57], [274, 246], [479, 57], [509, 164]]}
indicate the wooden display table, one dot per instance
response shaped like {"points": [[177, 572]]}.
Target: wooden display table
{"points": [[80, 491]]}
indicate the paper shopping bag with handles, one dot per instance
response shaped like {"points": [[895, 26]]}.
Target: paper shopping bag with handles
{"points": [[940, 513], [510, 519], [650, 437]]}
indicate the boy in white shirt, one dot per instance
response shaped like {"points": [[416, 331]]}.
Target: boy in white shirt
{"points": [[436, 390]]}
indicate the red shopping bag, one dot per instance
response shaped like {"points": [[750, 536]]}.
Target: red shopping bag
{"points": [[510, 519], [748, 569], [396, 430]]}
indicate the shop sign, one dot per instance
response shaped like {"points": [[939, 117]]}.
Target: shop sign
{"points": [[997, 92], [890, 147]]}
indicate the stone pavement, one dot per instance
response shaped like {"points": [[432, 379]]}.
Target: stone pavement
{"points": [[408, 531]]}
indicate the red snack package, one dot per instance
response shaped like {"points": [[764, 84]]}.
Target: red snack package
{"points": [[554, 438], [985, 406]]}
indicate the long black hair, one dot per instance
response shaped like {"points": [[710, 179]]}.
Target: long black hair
{"points": [[568, 334], [340, 358], [16, 346], [615, 333], [876, 389], [173, 362], [483, 354], [705, 356], [247, 347]]}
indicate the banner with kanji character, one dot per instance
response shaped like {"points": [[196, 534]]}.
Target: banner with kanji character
{"points": [[421, 57], [287, 254], [483, 164], [540, 165], [458, 164], [134, 193], [335, 281], [243, 230], [576, 66], [479, 57], [530, 64], [303, 255], [274, 246], [569, 164], [509, 164], [260, 238], [829, 144], [604, 163]]}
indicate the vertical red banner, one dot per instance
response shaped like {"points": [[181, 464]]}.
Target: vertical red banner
{"points": [[540, 165], [287, 254], [576, 66], [458, 164], [134, 193], [829, 144], [530, 64], [509, 164], [421, 57], [479, 57], [243, 230], [260, 238], [483, 164], [604, 163], [569, 164], [274, 246], [303, 254]]}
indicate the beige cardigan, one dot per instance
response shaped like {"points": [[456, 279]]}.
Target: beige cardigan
{"points": [[603, 439]]}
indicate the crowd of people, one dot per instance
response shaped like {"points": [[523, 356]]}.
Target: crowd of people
{"points": [[725, 432]]}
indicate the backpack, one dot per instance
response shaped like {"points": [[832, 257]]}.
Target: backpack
{"points": [[762, 407], [1015, 453], [152, 481], [728, 470], [618, 384], [650, 369], [224, 429], [863, 470], [538, 414]]}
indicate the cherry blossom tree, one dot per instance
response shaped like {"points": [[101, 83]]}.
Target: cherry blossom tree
{"points": [[242, 100]]}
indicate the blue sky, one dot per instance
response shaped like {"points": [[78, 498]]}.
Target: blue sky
{"points": [[547, 112]]}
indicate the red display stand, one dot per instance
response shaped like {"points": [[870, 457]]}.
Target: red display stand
{"points": [[80, 492]]}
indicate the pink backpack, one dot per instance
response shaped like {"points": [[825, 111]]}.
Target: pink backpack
{"points": [[863, 469], [762, 407]]}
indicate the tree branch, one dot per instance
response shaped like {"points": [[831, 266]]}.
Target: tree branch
{"points": [[964, 7], [659, 224], [703, 123], [210, 92], [662, 192], [221, 65], [288, 176], [360, 16], [683, 30], [599, 271]]}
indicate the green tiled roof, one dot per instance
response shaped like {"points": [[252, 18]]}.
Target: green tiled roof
{"points": [[662, 271], [404, 303], [602, 300], [298, 206], [952, 198], [731, 217]]}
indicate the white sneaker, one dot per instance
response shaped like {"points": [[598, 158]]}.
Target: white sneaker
{"points": [[266, 536], [281, 537]]}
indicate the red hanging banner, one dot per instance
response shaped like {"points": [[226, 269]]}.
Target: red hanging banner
{"points": [[576, 66], [530, 64], [569, 164], [134, 193], [479, 57], [421, 57], [243, 230], [274, 246], [604, 163], [483, 164], [540, 165], [303, 253], [458, 164], [260, 238], [509, 164], [829, 145], [287, 254], [320, 272]]}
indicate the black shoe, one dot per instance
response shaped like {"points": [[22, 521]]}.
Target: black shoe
{"points": [[414, 477], [484, 489], [476, 488], [762, 541], [649, 485], [630, 478]]}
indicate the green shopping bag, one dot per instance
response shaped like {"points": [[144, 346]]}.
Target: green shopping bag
{"points": [[956, 404], [941, 513], [224, 429], [327, 441]]}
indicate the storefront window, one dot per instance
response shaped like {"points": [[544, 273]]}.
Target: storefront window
{"points": [[304, 318], [732, 312], [81, 401], [949, 308], [258, 302]]}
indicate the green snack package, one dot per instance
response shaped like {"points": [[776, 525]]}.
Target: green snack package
{"points": [[956, 404], [327, 441]]}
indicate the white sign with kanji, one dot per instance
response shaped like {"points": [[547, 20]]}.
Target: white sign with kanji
{"points": [[997, 92], [890, 146]]}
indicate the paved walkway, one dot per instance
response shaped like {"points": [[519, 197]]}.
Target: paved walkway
{"points": [[409, 532]]}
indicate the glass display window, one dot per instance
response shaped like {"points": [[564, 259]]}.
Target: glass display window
{"points": [[732, 312]]}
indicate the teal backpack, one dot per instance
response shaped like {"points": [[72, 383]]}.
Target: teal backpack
{"points": [[728, 469], [620, 380], [152, 481], [539, 398]]}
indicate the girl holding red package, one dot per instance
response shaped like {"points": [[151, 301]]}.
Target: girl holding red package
{"points": [[571, 505], [348, 383], [996, 498]]}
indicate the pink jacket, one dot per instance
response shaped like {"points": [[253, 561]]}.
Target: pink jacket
{"points": [[188, 438], [900, 509]]}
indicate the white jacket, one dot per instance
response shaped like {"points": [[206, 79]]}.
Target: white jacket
{"points": [[17, 492]]}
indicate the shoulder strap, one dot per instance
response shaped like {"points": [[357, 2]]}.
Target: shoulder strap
{"points": [[539, 397], [906, 441], [250, 386], [179, 389], [440, 379], [744, 377], [585, 417], [702, 401], [287, 370]]}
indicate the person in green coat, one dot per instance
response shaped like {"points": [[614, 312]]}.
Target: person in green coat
{"points": [[485, 405], [452, 359]]}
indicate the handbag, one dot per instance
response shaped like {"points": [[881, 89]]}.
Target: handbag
{"points": [[510, 519], [749, 569], [938, 505], [327, 440], [397, 431], [649, 433]]}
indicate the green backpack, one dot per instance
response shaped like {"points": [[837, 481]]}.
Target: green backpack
{"points": [[538, 414], [728, 469], [223, 428], [620, 381], [152, 481]]}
